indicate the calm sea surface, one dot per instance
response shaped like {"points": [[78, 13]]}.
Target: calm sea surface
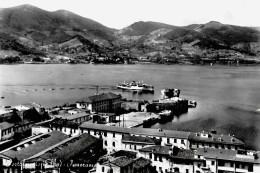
{"points": [[228, 97]]}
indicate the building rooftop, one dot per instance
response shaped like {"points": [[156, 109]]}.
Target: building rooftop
{"points": [[160, 133], [69, 116], [59, 122], [87, 125], [161, 150], [69, 148], [141, 162], [25, 150], [100, 97], [214, 138], [223, 154], [140, 139], [122, 161], [182, 154], [6, 125], [129, 154], [137, 131]]}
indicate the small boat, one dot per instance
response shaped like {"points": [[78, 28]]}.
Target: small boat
{"points": [[192, 104]]}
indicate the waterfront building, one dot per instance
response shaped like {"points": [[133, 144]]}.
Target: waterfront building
{"points": [[105, 102]]}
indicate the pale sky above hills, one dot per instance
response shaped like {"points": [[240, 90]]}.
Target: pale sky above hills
{"points": [[122, 13]]}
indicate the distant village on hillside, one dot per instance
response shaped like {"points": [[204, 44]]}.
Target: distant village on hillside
{"points": [[110, 134]]}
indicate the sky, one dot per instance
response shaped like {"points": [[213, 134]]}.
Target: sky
{"points": [[122, 13]]}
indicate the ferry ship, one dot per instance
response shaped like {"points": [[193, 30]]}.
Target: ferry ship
{"points": [[136, 86]]}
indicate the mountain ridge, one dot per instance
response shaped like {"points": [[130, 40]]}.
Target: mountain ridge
{"points": [[27, 27]]}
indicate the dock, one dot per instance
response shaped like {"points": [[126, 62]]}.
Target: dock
{"points": [[135, 119]]}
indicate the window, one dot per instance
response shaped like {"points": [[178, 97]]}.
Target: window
{"points": [[95, 132], [88, 131], [105, 134], [160, 158], [135, 147], [221, 163], [187, 170], [155, 158], [168, 140], [231, 164], [198, 156], [105, 143], [150, 155], [175, 140], [182, 141], [130, 146], [250, 168], [103, 169], [212, 162], [114, 135], [114, 144]]}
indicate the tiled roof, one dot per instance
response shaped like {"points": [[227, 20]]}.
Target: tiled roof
{"points": [[71, 148], [101, 97], [223, 154], [140, 139], [162, 150], [129, 154], [215, 138], [141, 163], [137, 131], [182, 154], [34, 148], [6, 125], [122, 161]]}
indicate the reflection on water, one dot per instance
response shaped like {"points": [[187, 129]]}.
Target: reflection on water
{"points": [[225, 95]]}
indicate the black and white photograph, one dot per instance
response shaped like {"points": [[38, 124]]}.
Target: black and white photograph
{"points": [[129, 86]]}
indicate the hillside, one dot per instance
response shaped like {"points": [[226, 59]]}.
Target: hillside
{"points": [[39, 25], [143, 28]]}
